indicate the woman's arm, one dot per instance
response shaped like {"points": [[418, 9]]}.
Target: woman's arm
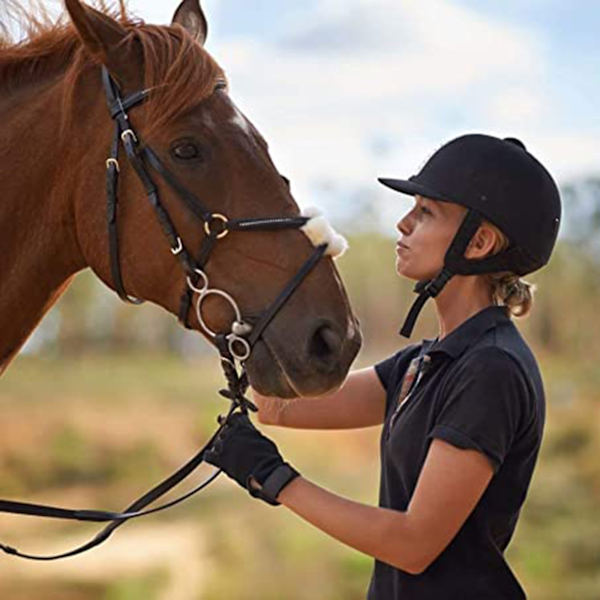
{"points": [[359, 402], [450, 484]]}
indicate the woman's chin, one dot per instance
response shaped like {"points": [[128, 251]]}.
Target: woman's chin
{"points": [[404, 270]]}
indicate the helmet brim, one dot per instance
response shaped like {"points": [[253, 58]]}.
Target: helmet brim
{"points": [[412, 188]]}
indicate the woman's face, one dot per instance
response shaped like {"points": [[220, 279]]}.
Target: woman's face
{"points": [[425, 234]]}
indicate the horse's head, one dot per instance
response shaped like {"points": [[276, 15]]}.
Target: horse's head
{"points": [[207, 158]]}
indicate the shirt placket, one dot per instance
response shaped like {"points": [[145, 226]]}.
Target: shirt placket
{"points": [[410, 383]]}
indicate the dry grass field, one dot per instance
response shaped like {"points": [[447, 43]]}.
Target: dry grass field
{"points": [[97, 431]]}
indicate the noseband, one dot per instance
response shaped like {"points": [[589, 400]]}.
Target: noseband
{"points": [[234, 346]]}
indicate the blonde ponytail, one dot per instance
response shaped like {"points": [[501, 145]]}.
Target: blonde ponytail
{"points": [[510, 290], [507, 288]]}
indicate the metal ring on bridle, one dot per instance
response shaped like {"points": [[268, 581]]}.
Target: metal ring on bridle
{"points": [[217, 217], [222, 294], [204, 278], [235, 340]]}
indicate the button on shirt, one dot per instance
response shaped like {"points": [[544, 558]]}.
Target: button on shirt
{"points": [[478, 388]]}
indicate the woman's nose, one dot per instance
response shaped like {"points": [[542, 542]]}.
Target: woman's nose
{"points": [[403, 225]]}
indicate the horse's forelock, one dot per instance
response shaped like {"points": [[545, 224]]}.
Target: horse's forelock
{"points": [[178, 71]]}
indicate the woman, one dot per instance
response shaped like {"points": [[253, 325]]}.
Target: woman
{"points": [[462, 414]]}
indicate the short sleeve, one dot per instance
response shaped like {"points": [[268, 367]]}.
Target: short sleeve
{"points": [[391, 370], [384, 370], [483, 405]]}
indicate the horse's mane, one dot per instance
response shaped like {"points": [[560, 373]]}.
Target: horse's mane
{"points": [[179, 71]]}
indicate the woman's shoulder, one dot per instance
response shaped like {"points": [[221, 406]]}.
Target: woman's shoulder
{"points": [[503, 352]]}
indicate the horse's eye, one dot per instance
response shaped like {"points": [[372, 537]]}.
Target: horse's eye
{"points": [[185, 151]]}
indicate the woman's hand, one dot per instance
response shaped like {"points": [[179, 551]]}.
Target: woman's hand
{"points": [[250, 458]]}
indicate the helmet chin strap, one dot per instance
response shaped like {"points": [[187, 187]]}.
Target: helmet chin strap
{"points": [[454, 264]]}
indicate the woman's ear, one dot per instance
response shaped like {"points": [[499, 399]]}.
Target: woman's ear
{"points": [[484, 243]]}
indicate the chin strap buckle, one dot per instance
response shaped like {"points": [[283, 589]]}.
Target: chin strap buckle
{"points": [[434, 286]]}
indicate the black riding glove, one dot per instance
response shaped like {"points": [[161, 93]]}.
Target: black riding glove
{"points": [[244, 453]]}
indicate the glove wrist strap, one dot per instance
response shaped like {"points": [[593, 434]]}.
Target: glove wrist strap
{"points": [[275, 482]]}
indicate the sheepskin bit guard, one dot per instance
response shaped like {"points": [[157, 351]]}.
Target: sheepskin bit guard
{"points": [[319, 231]]}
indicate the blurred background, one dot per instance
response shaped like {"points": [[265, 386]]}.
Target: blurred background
{"points": [[106, 399]]}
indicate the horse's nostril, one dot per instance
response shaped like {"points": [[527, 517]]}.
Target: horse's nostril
{"points": [[325, 346]]}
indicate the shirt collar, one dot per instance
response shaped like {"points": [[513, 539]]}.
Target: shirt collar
{"points": [[468, 332]]}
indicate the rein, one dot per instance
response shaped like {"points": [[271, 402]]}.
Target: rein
{"points": [[234, 347]]}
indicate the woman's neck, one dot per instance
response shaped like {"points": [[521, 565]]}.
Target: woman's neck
{"points": [[462, 297]]}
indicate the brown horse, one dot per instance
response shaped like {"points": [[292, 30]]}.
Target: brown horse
{"points": [[56, 132]]}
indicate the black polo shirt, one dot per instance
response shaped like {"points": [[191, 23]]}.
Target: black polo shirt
{"points": [[478, 388]]}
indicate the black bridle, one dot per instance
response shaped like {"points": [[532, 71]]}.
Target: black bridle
{"points": [[234, 347]]}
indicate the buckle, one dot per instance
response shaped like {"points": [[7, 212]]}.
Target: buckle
{"points": [[131, 133], [177, 248], [112, 161]]}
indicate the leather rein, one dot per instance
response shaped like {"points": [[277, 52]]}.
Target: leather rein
{"points": [[234, 347]]}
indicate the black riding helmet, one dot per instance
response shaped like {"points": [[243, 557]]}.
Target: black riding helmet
{"points": [[497, 180]]}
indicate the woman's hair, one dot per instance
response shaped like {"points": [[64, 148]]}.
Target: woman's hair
{"points": [[509, 289]]}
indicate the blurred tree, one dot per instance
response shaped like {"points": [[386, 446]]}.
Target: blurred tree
{"points": [[581, 202]]}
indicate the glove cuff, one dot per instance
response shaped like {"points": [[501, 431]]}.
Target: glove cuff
{"points": [[274, 483]]}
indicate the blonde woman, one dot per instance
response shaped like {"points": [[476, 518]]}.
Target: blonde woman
{"points": [[462, 414]]}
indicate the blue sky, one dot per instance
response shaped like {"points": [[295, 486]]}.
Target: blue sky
{"points": [[348, 90]]}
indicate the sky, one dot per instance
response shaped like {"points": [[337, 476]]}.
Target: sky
{"points": [[345, 91], [348, 90]]}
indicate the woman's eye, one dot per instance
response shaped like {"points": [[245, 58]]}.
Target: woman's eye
{"points": [[287, 181], [186, 151], [425, 211]]}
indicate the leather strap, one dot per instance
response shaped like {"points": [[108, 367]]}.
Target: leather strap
{"points": [[274, 483], [237, 383], [117, 519], [289, 289], [453, 262]]}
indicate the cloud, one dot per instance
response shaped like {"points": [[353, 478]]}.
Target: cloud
{"points": [[345, 90], [361, 75]]}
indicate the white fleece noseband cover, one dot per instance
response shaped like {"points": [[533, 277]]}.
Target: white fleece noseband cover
{"points": [[319, 231]]}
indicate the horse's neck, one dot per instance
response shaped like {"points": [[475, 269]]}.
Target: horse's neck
{"points": [[39, 248]]}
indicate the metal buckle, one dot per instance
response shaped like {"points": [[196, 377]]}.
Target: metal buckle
{"points": [[177, 248], [131, 133], [216, 217], [113, 161]]}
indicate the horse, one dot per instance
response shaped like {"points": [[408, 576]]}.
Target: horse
{"points": [[56, 135]]}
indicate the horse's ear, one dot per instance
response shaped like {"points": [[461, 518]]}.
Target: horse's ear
{"points": [[190, 16], [101, 35]]}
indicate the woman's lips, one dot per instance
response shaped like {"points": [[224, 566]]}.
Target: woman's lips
{"points": [[401, 246]]}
